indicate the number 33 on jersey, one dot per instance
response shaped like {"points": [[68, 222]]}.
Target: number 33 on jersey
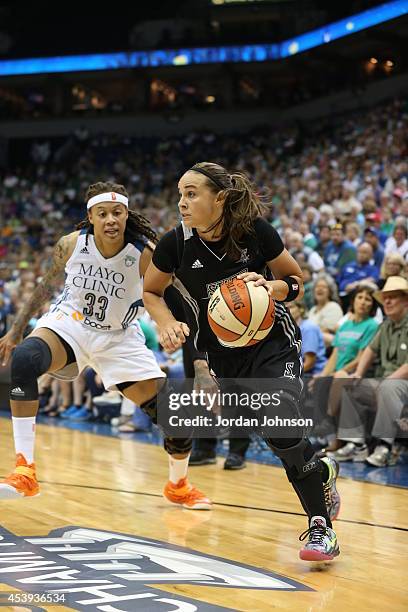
{"points": [[104, 294]]}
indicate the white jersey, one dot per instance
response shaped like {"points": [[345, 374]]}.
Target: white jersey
{"points": [[103, 294]]}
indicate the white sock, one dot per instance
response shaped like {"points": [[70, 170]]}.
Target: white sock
{"points": [[24, 436], [177, 468]]}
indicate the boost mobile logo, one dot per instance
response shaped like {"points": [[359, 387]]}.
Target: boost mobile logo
{"points": [[99, 570]]}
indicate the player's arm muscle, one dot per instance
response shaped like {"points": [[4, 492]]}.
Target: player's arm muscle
{"points": [[281, 266], [48, 284], [154, 284], [146, 258]]}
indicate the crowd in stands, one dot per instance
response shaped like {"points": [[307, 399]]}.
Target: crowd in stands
{"points": [[339, 199]]}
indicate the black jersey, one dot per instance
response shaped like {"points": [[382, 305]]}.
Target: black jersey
{"points": [[200, 267]]}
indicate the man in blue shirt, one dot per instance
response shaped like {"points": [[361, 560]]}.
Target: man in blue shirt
{"points": [[356, 271], [338, 252]]}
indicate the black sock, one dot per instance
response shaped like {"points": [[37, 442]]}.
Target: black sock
{"points": [[309, 489], [387, 444], [325, 472], [310, 492]]}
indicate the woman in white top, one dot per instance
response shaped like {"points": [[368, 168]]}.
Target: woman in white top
{"points": [[326, 312], [398, 242]]}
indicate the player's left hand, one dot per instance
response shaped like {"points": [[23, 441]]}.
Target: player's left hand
{"points": [[258, 279]]}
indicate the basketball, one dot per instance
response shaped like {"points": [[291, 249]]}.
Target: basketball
{"points": [[240, 314]]}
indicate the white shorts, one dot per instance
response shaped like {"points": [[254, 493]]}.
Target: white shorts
{"points": [[117, 356]]}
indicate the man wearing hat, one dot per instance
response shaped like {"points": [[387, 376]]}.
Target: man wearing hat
{"points": [[388, 391]]}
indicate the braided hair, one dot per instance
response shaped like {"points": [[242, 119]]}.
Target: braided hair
{"points": [[136, 225]]}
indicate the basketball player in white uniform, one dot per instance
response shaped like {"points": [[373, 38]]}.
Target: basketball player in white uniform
{"points": [[92, 323]]}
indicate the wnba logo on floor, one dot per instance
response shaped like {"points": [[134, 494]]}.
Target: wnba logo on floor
{"points": [[100, 570]]}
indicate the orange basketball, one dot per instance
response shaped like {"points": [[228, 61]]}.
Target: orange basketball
{"points": [[240, 314]]}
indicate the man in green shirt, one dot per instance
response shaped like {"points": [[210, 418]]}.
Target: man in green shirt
{"points": [[388, 392]]}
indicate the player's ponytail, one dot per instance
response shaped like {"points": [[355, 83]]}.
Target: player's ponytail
{"points": [[242, 205], [136, 225]]}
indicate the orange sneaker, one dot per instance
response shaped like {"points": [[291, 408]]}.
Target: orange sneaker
{"points": [[184, 494], [22, 482]]}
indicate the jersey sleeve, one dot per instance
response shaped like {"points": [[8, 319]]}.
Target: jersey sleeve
{"points": [[165, 253], [270, 243]]}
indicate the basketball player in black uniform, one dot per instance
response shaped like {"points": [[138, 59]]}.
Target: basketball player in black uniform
{"points": [[223, 235]]}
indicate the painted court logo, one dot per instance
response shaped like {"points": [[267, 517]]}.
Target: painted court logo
{"points": [[98, 570]]}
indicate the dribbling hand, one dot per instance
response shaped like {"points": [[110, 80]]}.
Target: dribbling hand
{"points": [[173, 335], [258, 279]]}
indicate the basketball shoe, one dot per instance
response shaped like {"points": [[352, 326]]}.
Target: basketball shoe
{"points": [[186, 495], [20, 483], [322, 544], [331, 495]]}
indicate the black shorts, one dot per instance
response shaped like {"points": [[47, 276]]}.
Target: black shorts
{"points": [[269, 367], [272, 358]]}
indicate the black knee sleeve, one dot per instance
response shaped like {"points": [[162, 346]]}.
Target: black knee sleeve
{"points": [[299, 459], [150, 408], [172, 445], [30, 359]]}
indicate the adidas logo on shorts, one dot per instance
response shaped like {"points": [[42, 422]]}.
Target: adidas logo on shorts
{"points": [[197, 264], [17, 391], [84, 250]]}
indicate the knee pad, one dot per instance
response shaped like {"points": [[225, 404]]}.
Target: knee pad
{"points": [[159, 403], [171, 444], [287, 418], [175, 446], [150, 408], [30, 359], [294, 459]]}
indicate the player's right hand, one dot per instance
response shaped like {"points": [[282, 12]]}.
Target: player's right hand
{"points": [[7, 344], [173, 335]]}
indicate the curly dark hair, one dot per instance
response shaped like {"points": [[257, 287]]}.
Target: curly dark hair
{"points": [[242, 205], [136, 225], [368, 288]]}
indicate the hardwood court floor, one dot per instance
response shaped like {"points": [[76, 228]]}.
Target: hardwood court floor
{"points": [[115, 485]]}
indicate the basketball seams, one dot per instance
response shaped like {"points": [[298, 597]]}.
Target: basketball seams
{"points": [[232, 311], [258, 308], [268, 329], [270, 307], [214, 323], [251, 338], [222, 314]]}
